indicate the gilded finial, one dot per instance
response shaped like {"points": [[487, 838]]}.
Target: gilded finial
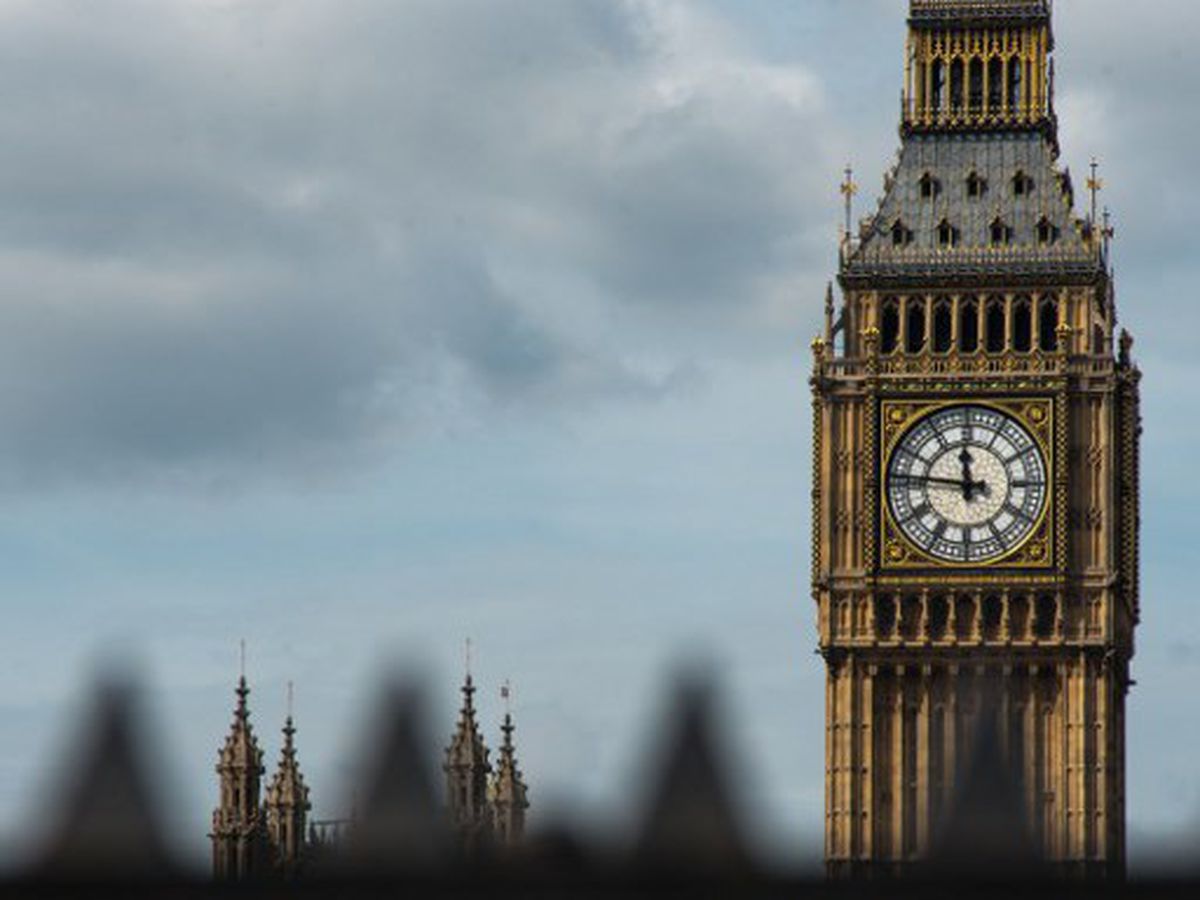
{"points": [[1094, 186], [848, 190]]}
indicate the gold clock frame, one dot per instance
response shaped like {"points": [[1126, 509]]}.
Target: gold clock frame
{"points": [[1038, 550]]}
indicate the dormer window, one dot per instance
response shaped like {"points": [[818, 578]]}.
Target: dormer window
{"points": [[976, 186], [930, 186], [901, 234], [1022, 185], [1001, 233], [1047, 233], [947, 234]]}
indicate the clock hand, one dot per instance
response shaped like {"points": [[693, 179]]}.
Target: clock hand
{"points": [[968, 485], [929, 479]]}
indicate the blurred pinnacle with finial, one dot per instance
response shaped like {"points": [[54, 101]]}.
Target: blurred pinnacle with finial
{"points": [[108, 823]]}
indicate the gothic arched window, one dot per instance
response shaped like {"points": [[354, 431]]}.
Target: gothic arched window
{"points": [[976, 185], [942, 326], [890, 325], [975, 85], [956, 85], [915, 332], [1001, 234], [1047, 233], [1022, 185], [937, 82], [968, 325], [1047, 324], [947, 234], [930, 186], [995, 84], [901, 234], [1014, 84], [994, 325], [1022, 325]]}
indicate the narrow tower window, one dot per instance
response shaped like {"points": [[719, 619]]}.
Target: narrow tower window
{"points": [[1047, 323], [947, 234], [890, 321], [1022, 325], [968, 325], [995, 325], [915, 342], [901, 235], [1014, 84], [938, 83], [1001, 234], [956, 85], [1047, 233], [1022, 185], [975, 85], [995, 84], [930, 186], [976, 185], [942, 330]]}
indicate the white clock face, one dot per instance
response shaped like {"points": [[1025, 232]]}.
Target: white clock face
{"points": [[967, 484]]}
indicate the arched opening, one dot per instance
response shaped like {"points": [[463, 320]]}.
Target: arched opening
{"points": [[968, 325], [1098, 341], [915, 332], [1047, 233], [1046, 619], [1022, 325], [1014, 84], [947, 234], [885, 616], [901, 235], [890, 326], [956, 86], [976, 186], [1018, 617], [1022, 185], [964, 617], [910, 618], [975, 86], [994, 337], [1001, 233], [937, 84], [930, 187], [1047, 325], [993, 613], [995, 84], [942, 326], [939, 615]]}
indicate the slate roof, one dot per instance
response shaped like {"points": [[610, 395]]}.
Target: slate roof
{"points": [[996, 159]]}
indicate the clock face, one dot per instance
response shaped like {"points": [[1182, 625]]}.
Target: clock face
{"points": [[967, 484]]}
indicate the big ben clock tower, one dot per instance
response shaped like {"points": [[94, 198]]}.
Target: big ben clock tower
{"points": [[975, 503]]}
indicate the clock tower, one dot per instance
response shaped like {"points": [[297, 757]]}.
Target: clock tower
{"points": [[975, 469]]}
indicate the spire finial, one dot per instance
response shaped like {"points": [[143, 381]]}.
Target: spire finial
{"points": [[1094, 185], [290, 698], [467, 659], [848, 189], [242, 658]]}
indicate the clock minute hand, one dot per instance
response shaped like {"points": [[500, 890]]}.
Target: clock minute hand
{"points": [[930, 479], [967, 483]]}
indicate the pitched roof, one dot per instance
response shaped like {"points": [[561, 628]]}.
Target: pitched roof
{"points": [[1043, 207]]}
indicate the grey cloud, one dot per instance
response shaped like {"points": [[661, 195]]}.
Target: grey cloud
{"points": [[264, 232]]}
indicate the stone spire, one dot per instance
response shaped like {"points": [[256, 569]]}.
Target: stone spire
{"points": [[467, 770], [287, 804], [508, 792], [238, 835]]}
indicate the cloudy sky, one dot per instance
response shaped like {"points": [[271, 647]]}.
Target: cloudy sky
{"points": [[355, 329]]}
